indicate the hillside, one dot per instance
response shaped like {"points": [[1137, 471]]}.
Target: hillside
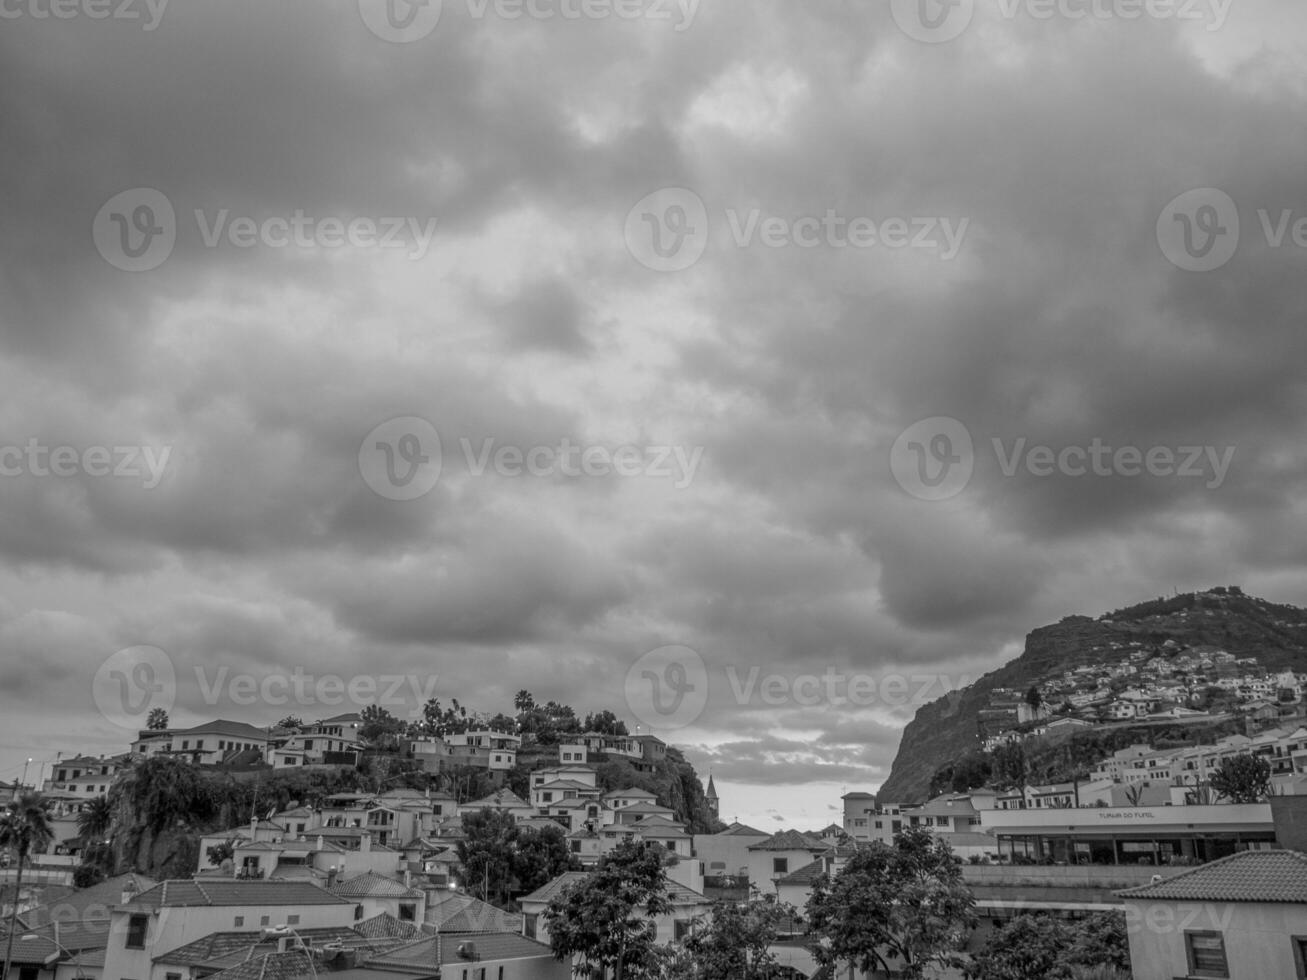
{"points": [[1220, 619]]}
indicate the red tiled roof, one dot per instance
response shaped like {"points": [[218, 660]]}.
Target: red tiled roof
{"points": [[372, 885], [1249, 876], [742, 830], [217, 945], [788, 840], [806, 875], [219, 891]]}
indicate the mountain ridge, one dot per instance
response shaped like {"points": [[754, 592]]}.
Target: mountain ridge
{"points": [[1222, 618]]}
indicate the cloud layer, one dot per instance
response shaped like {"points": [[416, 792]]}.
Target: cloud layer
{"points": [[788, 355]]}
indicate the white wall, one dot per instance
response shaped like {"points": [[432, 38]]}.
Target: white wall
{"points": [[1257, 936]]}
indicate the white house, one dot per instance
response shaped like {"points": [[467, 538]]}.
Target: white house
{"points": [[176, 912], [1240, 916]]}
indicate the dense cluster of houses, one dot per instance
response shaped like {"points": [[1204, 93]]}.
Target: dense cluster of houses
{"points": [[1143, 686], [367, 885]]}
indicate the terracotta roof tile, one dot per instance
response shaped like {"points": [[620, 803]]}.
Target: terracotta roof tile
{"points": [[1249, 876]]}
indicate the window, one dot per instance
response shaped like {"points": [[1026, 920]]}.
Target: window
{"points": [[292, 920], [407, 911], [238, 921], [681, 929], [780, 866], [1300, 955], [264, 920], [136, 926], [172, 976], [1206, 953]]}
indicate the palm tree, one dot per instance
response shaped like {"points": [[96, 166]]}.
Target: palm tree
{"points": [[524, 701], [24, 827], [93, 824], [95, 818]]}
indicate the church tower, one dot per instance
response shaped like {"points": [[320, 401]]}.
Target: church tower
{"points": [[711, 796]]}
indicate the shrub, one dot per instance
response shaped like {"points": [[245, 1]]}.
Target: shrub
{"points": [[86, 875]]}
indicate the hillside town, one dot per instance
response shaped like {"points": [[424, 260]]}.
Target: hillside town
{"points": [[1193, 686], [443, 870]]}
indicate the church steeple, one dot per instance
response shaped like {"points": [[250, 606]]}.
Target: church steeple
{"points": [[711, 795]]}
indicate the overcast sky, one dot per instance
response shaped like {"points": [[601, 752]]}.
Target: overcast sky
{"points": [[716, 312]]}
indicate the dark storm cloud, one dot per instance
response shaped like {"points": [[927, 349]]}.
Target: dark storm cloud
{"points": [[526, 321]]}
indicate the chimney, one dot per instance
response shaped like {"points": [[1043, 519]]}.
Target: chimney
{"points": [[321, 843], [408, 878], [254, 825], [365, 842], [331, 877], [129, 890]]}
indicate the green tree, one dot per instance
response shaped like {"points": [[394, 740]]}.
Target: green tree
{"points": [[486, 855], [165, 792], [735, 942], [1101, 940], [607, 921], [291, 721], [1029, 946], [94, 820], [1010, 764], [93, 824], [1034, 945], [156, 720], [1034, 698], [903, 906], [523, 702], [1243, 778], [541, 855], [86, 875], [24, 829], [972, 770], [467, 783], [605, 723], [225, 851], [379, 728]]}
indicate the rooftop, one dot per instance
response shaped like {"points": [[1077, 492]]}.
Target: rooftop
{"points": [[1249, 876], [176, 893], [373, 885], [788, 840]]}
